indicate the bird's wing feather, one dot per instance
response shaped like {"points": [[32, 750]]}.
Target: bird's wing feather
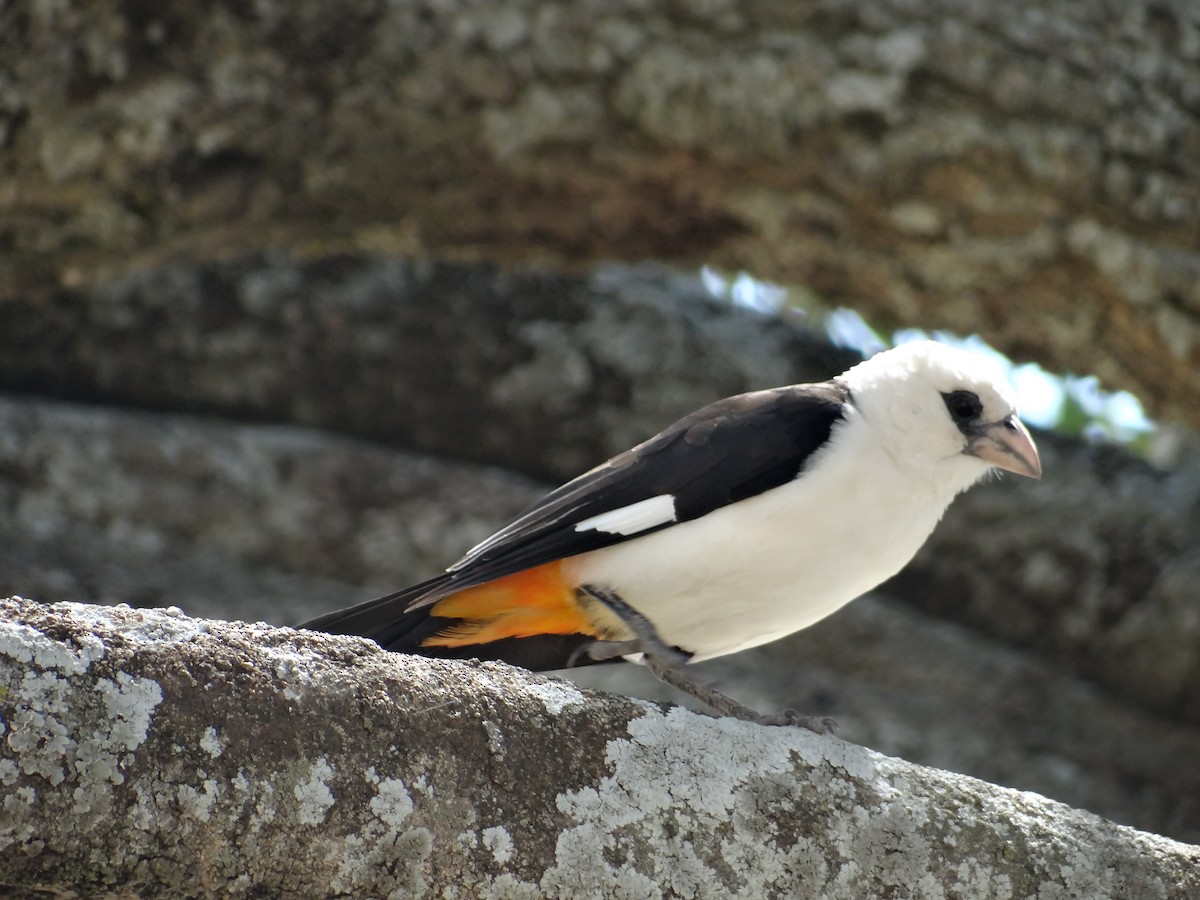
{"points": [[728, 451]]}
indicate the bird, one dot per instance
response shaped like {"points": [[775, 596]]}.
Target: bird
{"points": [[747, 520]]}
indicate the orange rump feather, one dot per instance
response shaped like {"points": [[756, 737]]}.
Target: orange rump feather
{"points": [[524, 604]]}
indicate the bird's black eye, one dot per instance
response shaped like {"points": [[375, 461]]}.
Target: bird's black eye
{"points": [[964, 406]]}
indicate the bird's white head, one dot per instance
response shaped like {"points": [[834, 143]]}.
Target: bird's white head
{"points": [[944, 411]]}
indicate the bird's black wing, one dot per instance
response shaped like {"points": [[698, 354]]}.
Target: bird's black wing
{"points": [[725, 452]]}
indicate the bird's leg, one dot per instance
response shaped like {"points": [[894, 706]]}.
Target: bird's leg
{"points": [[666, 664], [645, 636]]}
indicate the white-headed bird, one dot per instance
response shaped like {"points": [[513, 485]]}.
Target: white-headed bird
{"points": [[743, 522]]}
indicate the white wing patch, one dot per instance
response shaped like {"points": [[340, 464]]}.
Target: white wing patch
{"points": [[633, 518]]}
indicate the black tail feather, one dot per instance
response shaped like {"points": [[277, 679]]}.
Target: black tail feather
{"points": [[385, 620]]}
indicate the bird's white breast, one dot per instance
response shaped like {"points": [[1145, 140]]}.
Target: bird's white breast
{"points": [[762, 568]]}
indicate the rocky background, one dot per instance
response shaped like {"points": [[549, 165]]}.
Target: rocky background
{"points": [[298, 301], [207, 758]]}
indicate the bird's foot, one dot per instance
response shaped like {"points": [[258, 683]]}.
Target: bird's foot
{"points": [[666, 663], [818, 724]]}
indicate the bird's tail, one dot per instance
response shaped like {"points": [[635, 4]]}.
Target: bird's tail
{"points": [[529, 619], [387, 620]]}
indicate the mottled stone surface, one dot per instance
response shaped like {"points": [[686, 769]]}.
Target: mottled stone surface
{"points": [[1028, 170], [207, 759], [469, 362]]}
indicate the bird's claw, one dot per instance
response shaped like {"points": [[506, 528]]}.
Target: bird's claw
{"points": [[789, 717]]}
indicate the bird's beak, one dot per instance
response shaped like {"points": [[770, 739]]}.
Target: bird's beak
{"points": [[1007, 445]]}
